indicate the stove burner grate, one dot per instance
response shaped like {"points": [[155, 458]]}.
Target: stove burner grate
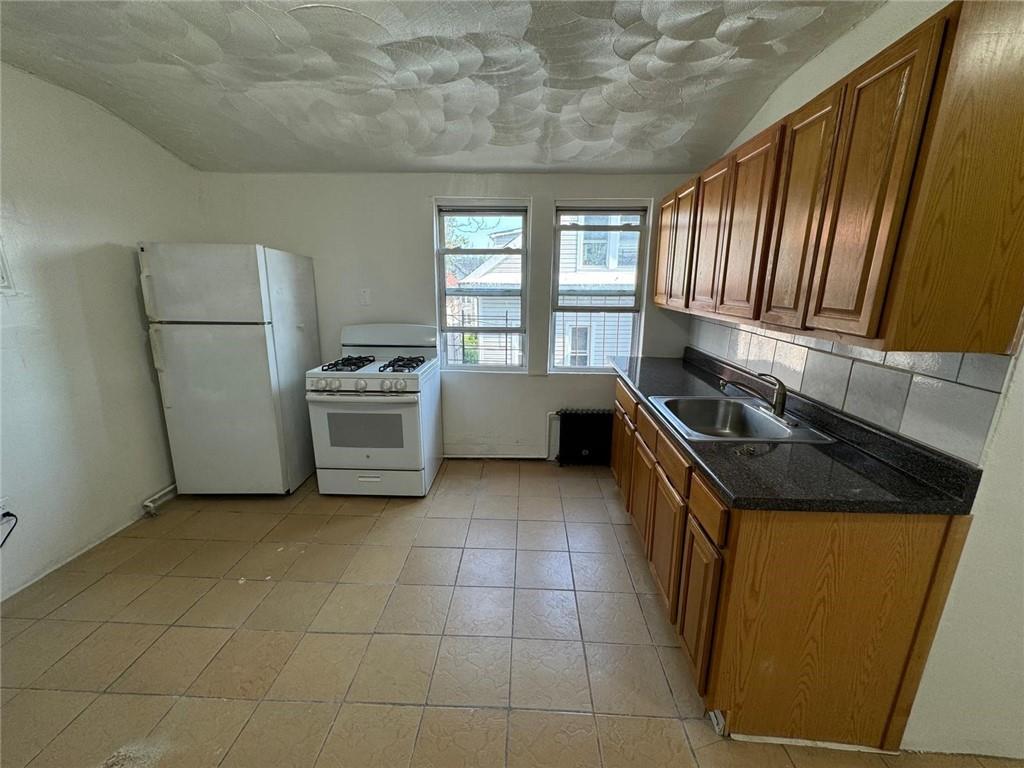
{"points": [[402, 364], [349, 363]]}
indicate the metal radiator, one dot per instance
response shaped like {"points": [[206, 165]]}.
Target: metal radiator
{"points": [[584, 436]]}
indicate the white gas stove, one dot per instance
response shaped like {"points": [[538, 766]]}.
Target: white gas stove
{"points": [[375, 413]]}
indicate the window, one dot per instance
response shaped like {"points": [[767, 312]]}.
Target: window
{"points": [[579, 346], [481, 267], [596, 291]]}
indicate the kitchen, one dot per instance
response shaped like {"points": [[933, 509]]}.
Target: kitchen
{"points": [[82, 188]]}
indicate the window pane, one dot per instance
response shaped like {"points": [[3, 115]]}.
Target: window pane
{"points": [[629, 247], [481, 273], [483, 311], [597, 268], [482, 230], [588, 339], [484, 349], [598, 218]]}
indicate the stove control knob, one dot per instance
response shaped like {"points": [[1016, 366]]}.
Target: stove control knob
{"points": [[400, 385], [321, 383], [335, 383], [360, 385], [385, 386]]}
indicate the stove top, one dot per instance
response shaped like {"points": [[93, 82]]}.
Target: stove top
{"points": [[349, 363], [399, 375], [402, 364]]}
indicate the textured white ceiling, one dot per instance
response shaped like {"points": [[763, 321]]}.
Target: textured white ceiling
{"points": [[340, 85]]}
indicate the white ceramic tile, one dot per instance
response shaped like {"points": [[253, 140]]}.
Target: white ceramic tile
{"points": [[712, 337], [984, 371], [861, 353], [762, 354], [778, 335], [949, 416], [789, 363], [877, 394], [826, 377], [739, 346], [938, 365], [822, 345]]}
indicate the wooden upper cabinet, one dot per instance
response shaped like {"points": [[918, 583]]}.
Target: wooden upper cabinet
{"points": [[883, 116], [745, 245], [806, 160], [712, 214], [663, 257], [683, 240]]}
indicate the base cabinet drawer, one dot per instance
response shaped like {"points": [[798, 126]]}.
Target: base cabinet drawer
{"points": [[668, 513], [698, 600]]}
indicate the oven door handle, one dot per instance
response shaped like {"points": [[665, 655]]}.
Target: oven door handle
{"points": [[363, 399]]}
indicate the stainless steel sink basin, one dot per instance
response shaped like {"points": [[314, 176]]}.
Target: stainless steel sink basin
{"points": [[738, 419]]}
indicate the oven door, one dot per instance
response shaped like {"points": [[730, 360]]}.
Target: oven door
{"points": [[365, 431]]}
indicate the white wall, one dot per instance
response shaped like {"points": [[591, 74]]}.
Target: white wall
{"points": [[972, 695], [83, 440], [375, 231]]}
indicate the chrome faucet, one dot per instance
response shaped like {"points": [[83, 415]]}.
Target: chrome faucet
{"points": [[778, 399]]}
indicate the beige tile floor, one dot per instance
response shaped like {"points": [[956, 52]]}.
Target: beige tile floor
{"points": [[505, 620]]}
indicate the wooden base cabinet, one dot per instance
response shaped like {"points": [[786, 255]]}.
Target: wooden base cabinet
{"points": [[641, 490], [668, 514], [698, 602], [824, 619], [622, 451]]}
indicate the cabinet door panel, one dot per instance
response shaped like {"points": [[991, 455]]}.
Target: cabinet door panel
{"points": [[640, 494], [618, 423], [698, 600], [807, 151], [668, 512], [685, 232], [880, 132], [663, 258], [626, 450], [746, 239], [712, 210]]}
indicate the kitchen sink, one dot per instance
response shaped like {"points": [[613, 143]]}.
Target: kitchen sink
{"points": [[738, 419]]}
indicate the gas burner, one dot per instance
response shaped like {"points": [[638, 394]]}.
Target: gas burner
{"points": [[349, 363], [402, 364]]}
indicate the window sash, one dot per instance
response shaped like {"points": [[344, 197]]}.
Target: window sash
{"points": [[635, 290], [444, 292]]}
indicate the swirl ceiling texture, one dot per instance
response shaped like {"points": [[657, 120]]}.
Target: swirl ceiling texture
{"points": [[511, 85]]}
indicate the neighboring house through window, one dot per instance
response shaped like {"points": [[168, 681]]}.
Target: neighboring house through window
{"points": [[596, 292], [481, 260]]}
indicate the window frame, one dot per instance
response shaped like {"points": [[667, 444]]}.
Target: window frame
{"points": [[636, 308], [484, 207]]}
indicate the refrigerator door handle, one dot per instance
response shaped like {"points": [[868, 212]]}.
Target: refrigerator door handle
{"points": [[158, 353]]}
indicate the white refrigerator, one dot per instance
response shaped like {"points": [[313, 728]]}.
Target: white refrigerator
{"points": [[233, 330]]}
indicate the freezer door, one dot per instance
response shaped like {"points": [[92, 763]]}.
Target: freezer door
{"points": [[221, 405], [197, 283]]}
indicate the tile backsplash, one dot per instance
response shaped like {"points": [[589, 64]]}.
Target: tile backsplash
{"points": [[945, 400]]}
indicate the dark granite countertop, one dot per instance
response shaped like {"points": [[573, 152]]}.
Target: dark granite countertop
{"points": [[865, 470]]}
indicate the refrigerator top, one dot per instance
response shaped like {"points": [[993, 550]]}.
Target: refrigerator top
{"points": [[201, 283]]}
